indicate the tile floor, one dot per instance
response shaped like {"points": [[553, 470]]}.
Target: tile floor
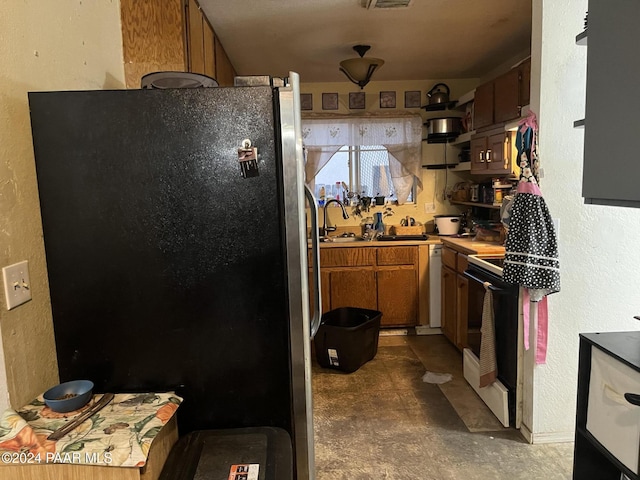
{"points": [[384, 422]]}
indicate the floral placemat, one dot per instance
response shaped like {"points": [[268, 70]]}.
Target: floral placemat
{"points": [[118, 435]]}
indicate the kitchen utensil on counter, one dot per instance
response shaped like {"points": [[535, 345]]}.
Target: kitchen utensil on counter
{"points": [[91, 411], [474, 192], [408, 221], [447, 224], [439, 93], [68, 396], [379, 225]]}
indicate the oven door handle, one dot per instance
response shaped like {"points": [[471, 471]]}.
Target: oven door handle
{"points": [[482, 282]]}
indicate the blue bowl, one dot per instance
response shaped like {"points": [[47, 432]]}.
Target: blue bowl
{"points": [[69, 396]]}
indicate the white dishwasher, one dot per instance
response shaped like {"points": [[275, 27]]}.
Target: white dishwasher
{"points": [[435, 287]]}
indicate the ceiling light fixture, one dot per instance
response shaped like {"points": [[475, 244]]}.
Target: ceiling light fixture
{"points": [[360, 70]]}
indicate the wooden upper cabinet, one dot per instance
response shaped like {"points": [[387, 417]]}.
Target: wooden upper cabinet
{"points": [[507, 96], [225, 73], [525, 82], [209, 49], [195, 37], [483, 106], [153, 38], [170, 35], [502, 99]]}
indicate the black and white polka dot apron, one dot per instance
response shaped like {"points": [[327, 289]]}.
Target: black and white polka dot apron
{"points": [[531, 248]]}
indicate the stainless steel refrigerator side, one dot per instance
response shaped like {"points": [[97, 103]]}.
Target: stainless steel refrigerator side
{"points": [[296, 242]]}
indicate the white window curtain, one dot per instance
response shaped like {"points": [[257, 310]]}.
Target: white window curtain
{"points": [[324, 135]]}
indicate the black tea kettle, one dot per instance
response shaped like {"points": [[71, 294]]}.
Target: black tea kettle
{"points": [[437, 95]]}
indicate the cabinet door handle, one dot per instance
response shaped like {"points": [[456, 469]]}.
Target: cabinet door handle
{"points": [[489, 155], [481, 156], [632, 398]]}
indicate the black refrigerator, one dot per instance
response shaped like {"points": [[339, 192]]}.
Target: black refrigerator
{"points": [[176, 245]]}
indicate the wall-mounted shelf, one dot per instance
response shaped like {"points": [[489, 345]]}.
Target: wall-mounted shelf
{"points": [[581, 38], [466, 98], [463, 138], [476, 204], [439, 106], [462, 167]]}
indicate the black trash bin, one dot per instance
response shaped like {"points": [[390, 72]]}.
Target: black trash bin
{"points": [[264, 453], [347, 338]]}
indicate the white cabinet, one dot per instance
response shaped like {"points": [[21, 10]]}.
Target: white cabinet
{"points": [[611, 419]]}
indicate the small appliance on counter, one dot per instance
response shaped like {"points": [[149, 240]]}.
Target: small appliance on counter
{"points": [[448, 224]]}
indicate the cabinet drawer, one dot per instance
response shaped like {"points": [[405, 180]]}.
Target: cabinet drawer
{"points": [[397, 255], [347, 257], [449, 257], [613, 421], [463, 263]]}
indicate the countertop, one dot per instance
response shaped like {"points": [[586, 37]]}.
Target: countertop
{"points": [[432, 240], [464, 245], [468, 246]]}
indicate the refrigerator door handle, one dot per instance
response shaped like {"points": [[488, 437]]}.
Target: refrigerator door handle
{"points": [[315, 255]]}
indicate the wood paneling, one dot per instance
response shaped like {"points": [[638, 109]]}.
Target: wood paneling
{"points": [[153, 38]]}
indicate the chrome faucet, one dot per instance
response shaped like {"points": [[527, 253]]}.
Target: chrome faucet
{"points": [[345, 215]]}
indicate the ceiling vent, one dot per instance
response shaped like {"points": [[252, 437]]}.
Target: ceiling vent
{"points": [[371, 4]]}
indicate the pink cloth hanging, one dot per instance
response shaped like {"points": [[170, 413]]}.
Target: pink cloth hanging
{"points": [[542, 326]]}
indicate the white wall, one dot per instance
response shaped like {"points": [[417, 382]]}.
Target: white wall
{"points": [[599, 257], [61, 45]]}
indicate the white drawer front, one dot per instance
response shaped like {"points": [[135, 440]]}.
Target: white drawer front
{"points": [[613, 421]]}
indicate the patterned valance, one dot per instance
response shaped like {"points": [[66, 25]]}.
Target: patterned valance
{"points": [[323, 136]]}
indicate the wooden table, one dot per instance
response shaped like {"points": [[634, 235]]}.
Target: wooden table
{"points": [[158, 453]]}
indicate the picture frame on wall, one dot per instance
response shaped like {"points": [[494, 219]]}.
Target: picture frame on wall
{"points": [[306, 101], [330, 101], [412, 98], [388, 99], [356, 100]]}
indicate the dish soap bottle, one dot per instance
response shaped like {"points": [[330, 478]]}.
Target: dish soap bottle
{"points": [[379, 226]]}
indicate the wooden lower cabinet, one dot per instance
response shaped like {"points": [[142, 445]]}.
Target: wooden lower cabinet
{"points": [[375, 278], [353, 287], [398, 296], [449, 304], [462, 311], [455, 298]]}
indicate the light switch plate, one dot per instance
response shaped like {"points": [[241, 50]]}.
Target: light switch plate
{"points": [[429, 208], [17, 286]]}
